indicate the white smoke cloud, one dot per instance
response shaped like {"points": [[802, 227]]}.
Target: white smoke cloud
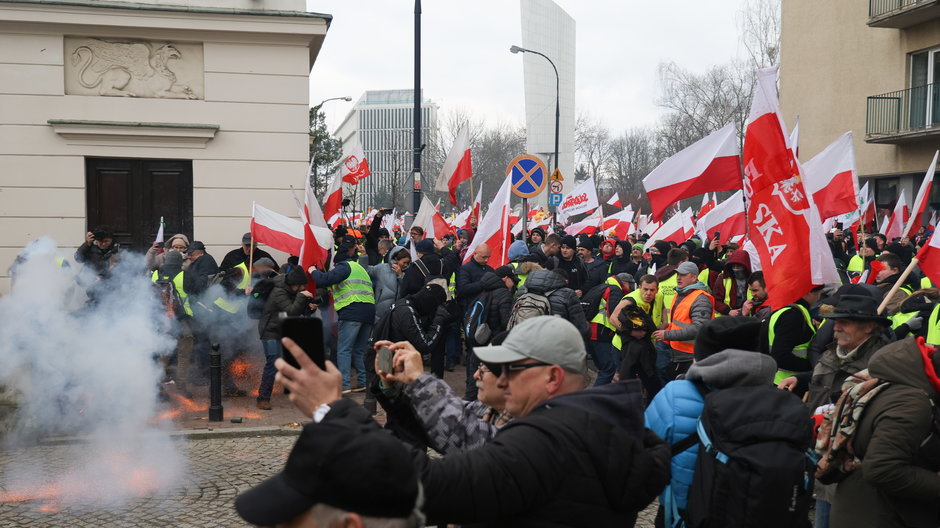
{"points": [[89, 369]]}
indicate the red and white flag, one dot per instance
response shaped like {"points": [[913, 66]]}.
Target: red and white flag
{"points": [[620, 223], [588, 225], [899, 217], [708, 203], [333, 206], [318, 239], [727, 218], [783, 225], [710, 164], [475, 209], [276, 230], [920, 203], [932, 223], [615, 200], [581, 199], [677, 229], [928, 258], [355, 167], [832, 179], [493, 230], [794, 140], [457, 167], [431, 220]]}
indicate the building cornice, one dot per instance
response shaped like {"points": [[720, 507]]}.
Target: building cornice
{"points": [[134, 134]]}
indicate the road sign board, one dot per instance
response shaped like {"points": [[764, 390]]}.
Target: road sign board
{"points": [[554, 199], [528, 175], [555, 186], [556, 175]]}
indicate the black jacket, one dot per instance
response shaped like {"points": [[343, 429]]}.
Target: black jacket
{"points": [[95, 257], [499, 302], [281, 299], [237, 256], [424, 332], [196, 279], [564, 301], [372, 241], [577, 273], [468, 281], [444, 265]]}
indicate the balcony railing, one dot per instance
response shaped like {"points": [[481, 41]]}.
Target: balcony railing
{"points": [[901, 13], [903, 115]]}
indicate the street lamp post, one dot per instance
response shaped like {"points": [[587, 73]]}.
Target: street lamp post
{"points": [[517, 49], [316, 109]]}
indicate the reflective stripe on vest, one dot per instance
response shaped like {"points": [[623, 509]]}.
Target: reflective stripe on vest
{"points": [[682, 318], [933, 332], [601, 318], [771, 336], [246, 277], [357, 287], [228, 306]]}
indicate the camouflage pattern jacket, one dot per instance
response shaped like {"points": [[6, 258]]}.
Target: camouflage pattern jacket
{"points": [[451, 423]]}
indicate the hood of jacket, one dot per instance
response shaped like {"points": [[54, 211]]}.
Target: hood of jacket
{"points": [[541, 281], [919, 302], [518, 249], [394, 251], [527, 267], [665, 272], [632, 473], [901, 363], [490, 281], [734, 368], [738, 257]]}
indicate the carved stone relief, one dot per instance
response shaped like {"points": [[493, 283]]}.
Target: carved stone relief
{"points": [[133, 68]]}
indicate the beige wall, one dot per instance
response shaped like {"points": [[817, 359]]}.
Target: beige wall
{"points": [[256, 91]]}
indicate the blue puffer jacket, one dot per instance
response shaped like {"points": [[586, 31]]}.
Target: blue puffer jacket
{"points": [[674, 412], [673, 415]]}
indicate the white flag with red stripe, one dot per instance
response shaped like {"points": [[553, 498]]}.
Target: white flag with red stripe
{"points": [[620, 223], [583, 198], [710, 164], [318, 239], [493, 230], [794, 140], [727, 218], [928, 258], [708, 203], [920, 203], [457, 167], [588, 225], [430, 220], [899, 217], [355, 167], [276, 230], [333, 206], [932, 223], [832, 179], [677, 229], [615, 200]]}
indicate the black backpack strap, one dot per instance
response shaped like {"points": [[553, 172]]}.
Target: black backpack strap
{"points": [[422, 267]]}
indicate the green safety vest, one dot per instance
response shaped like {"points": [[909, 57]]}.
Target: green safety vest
{"points": [[933, 332], [246, 277], [656, 314], [601, 317], [178, 284], [900, 318], [666, 294], [801, 348], [856, 264], [522, 277], [355, 288], [729, 282], [452, 285], [925, 283], [703, 278]]}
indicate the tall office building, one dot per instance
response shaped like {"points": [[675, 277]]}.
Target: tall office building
{"points": [[383, 121], [548, 29]]}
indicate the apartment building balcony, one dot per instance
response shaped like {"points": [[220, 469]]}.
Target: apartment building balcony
{"points": [[900, 14], [903, 116]]}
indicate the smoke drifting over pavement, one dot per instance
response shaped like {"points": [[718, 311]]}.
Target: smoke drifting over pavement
{"points": [[86, 369]]}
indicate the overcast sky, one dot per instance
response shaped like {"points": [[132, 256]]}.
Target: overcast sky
{"points": [[466, 61]]}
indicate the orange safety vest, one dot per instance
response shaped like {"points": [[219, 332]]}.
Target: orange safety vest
{"points": [[681, 318]]}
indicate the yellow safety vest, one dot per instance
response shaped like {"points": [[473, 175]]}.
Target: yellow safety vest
{"points": [[452, 285], [601, 318], [933, 332], [856, 264], [656, 314], [246, 277], [355, 288], [729, 282], [178, 284], [925, 283], [666, 294], [801, 348], [522, 276]]}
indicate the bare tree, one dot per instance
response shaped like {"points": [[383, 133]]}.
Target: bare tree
{"points": [[759, 24], [325, 152], [633, 155], [592, 144]]}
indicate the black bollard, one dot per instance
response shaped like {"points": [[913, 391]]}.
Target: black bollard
{"points": [[215, 384]]}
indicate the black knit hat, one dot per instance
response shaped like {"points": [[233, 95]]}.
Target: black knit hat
{"points": [[296, 276], [569, 241], [742, 333]]}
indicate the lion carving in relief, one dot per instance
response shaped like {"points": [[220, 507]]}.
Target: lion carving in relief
{"points": [[129, 69]]}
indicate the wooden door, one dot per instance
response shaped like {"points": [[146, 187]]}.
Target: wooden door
{"points": [[131, 195]]}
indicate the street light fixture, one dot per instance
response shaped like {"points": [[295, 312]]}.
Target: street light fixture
{"points": [[517, 49]]}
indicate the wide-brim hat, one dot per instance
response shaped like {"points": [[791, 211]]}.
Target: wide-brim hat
{"points": [[858, 308]]}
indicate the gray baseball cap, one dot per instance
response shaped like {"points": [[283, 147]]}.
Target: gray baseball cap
{"points": [[545, 338], [686, 268]]}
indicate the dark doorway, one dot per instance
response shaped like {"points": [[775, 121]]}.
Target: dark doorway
{"points": [[131, 195]]}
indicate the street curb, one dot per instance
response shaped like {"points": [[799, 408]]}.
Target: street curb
{"points": [[195, 434]]}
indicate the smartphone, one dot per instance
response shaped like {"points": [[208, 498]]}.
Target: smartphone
{"points": [[307, 332], [717, 236], [385, 359]]}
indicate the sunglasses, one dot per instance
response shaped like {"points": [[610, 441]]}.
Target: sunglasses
{"points": [[497, 368]]}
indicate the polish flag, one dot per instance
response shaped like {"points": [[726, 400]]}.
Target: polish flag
{"points": [[727, 218], [676, 229], [615, 200], [710, 164], [588, 225], [920, 203], [932, 223], [355, 167], [900, 216], [318, 239], [428, 218], [832, 179], [783, 224], [475, 209], [276, 230], [462, 220], [928, 258], [493, 230], [457, 167], [615, 220], [794, 140], [707, 205], [333, 206]]}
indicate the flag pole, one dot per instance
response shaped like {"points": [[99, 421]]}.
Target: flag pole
{"points": [[897, 285]]}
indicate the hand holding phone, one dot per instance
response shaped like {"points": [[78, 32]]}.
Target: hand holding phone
{"points": [[384, 361]]}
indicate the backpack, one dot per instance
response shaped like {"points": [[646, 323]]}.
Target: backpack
{"points": [[529, 305], [382, 329], [259, 297], [169, 297], [591, 301], [835, 442], [752, 468], [476, 330], [438, 279]]}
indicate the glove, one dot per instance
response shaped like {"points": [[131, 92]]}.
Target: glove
{"points": [[914, 323]]}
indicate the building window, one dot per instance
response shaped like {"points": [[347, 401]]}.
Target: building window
{"points": [[886, 192], [925, 79]]}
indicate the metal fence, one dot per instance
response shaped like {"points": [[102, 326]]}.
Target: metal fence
{"points": [[877, 8], [903, 111]]}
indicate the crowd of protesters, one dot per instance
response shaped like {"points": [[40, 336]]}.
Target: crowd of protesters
{"points": [[564, 347]]}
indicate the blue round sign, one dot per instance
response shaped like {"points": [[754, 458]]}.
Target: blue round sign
{"points": [[528, 176]]}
